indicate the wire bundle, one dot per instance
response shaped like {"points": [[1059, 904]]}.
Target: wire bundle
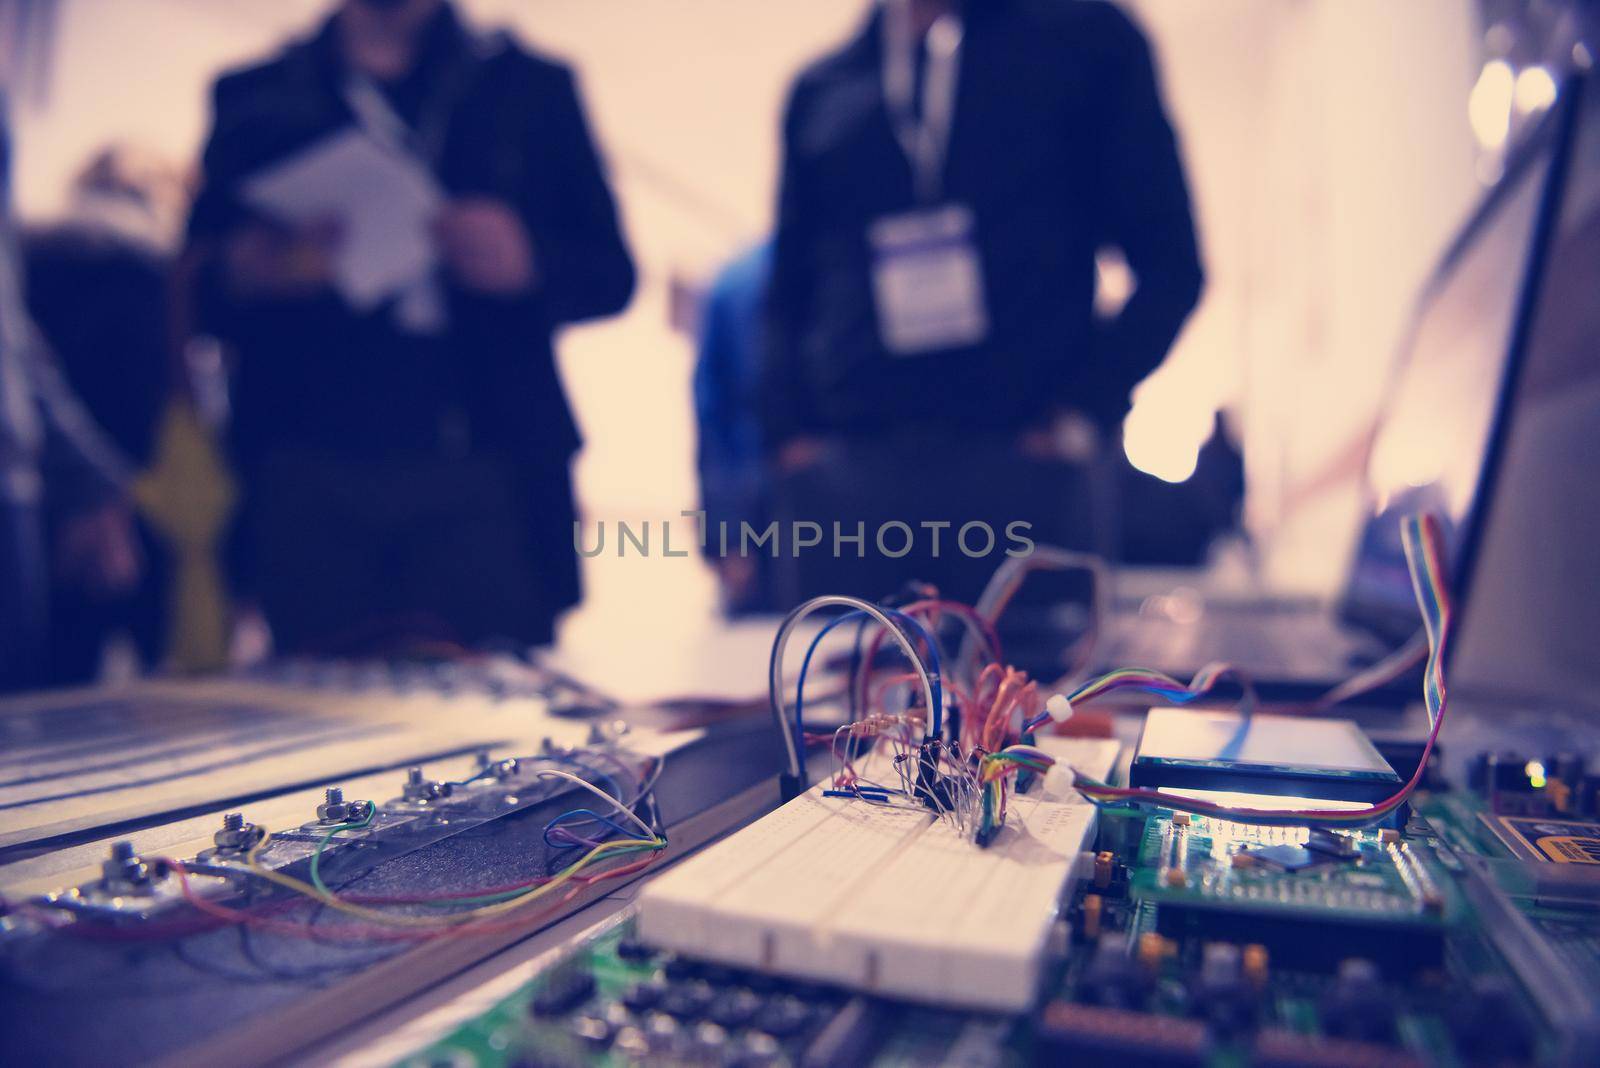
{"points": [[976, 772], [460, 913], [1157, 684], [1422, 541]]}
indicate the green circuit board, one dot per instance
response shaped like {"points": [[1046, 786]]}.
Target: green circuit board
{"points": [[1178, 954]]}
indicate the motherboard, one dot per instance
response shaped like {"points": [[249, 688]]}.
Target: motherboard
{"points": [[1180, 940]]}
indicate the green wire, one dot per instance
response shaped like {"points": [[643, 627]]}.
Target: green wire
{"points": [[316, 858], [487, 899], [506, 895]]}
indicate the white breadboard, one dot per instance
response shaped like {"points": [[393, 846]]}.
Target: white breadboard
{"points": [[885, 900]]}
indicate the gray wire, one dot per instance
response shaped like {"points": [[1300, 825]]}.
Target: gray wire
{"points": [[1016, 569], [776, 687]]}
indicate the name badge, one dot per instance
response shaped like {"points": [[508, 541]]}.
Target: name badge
{"points": [[928, 281]]}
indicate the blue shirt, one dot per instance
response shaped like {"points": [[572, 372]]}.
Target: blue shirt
{"points": [[727, 386]]}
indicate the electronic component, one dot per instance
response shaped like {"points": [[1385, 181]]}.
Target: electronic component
{"points": [[345, 835], [881, 898], [1282, 1048], [1281, 857], [1332, 844], [1289, 968], [1097, 1034], [1221, 990], [1116, 979], [1554, 841], [1357, 1007], [1215, 879], [1205, 753]]}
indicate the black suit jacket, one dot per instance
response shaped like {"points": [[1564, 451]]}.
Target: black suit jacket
{"points": [[1060, 146], [515, 131], [314, 373]]}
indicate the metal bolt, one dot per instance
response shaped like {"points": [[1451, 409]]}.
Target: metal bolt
{"points": [[236, 835], [335, 809], [418, 789], [124, 872]]}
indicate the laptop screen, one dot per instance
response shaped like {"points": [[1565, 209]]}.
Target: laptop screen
{"points": [[1433, 443], [1534, 614]]}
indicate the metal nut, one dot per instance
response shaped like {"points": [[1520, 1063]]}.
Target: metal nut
{"points": [[125, 870], [418, 789], [237, 835], [335, 809]]}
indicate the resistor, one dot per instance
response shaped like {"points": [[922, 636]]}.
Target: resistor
{"points": [[1153, 950], [1104, 866], [1093, 909], [1256, 965]]}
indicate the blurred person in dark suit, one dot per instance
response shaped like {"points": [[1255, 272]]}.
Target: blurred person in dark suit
{"points": [[401, 471], [54, 462], [96, 286], [949, 176]]}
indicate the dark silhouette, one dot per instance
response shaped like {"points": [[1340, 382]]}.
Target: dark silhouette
{"points": [[392, 470], [934, 390]]}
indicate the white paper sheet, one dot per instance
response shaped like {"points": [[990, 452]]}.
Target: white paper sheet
{"points": [[383, 202]]}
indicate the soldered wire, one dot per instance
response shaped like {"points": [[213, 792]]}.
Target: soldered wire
{"points": [[379, 916], [1158, 684], [895, 623], [978, 775], [487, 904], [1421, 539]]}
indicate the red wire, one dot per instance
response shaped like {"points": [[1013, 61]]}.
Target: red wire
{"points": [[1430, 546], [931, 608], [374, 932]]}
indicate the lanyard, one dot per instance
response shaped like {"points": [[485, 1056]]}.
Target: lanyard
{"points": [[383, 124], [925, 142], [19, 421], [425, 140]]}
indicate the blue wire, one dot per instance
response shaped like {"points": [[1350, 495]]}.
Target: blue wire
{"points": [[1177, 697], [855, 663], [607, 780], [899, 617], [592, 817]]}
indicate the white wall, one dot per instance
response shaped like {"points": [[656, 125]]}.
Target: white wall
{"points": [[1332, 159]]}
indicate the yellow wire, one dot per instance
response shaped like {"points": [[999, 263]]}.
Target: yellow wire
{"points": [[400, 920]]}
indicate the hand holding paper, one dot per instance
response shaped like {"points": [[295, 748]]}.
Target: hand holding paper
{"points": [[381, 202], [486, 246]]}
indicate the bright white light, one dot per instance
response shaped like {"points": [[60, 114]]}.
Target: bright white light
{"points": [[1273, 802], [1535, 91], [1489, 104], [1164, 432], [1113, 283]]}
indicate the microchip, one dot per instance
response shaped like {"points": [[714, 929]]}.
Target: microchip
{"points": [[1284, 857], [1332, 843]]}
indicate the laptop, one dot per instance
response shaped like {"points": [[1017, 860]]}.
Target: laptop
{"points": [[1534, 613], [1435, 448]]}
